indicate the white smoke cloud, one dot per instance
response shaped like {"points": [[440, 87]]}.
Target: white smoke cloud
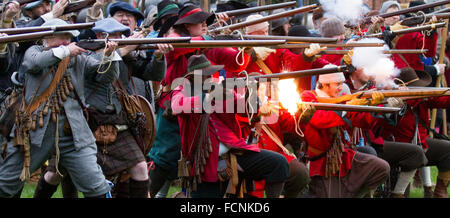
{"points": [[375, 63], [349, 11]]}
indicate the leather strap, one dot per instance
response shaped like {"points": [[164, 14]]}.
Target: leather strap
{"points": [[41, 99]]}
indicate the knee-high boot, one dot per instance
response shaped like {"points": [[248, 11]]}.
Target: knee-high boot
{"points": [[139, 189], [44, 189]]}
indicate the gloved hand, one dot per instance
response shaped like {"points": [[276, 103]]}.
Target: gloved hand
{"points": [[307, 110], [377, 98], [268, 108], [440, 68], [358, 101], [395, 102], [397, 26], [348, 57], [314, 49], [263, 52]]}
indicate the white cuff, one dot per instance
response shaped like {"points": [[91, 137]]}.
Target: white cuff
{"points": [[113, 57], [437, 69], [61, 52], [48, 16]]}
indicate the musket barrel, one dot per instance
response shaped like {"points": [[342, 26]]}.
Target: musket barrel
{"points": [[339, 45], [391, 51], [239, 12], [411, 21], [25, 37], [267, 18], [410, 30], [301, 73], [424, 92], [355, 108], [150, 40], [76, 6], [13, 31], [411, 9], [293, 38], [222, 44]]}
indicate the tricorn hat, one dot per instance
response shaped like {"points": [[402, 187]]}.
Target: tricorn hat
{"points": [[200, 65]]}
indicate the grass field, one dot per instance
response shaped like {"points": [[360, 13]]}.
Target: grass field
{"points": [[29, 188]]}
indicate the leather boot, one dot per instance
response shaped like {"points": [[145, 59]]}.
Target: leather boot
{"points": [[273, 190], [44, 189], [395, 195], [427, 192], [139, 189], [440, 191], [122, 189], [68, 189]]}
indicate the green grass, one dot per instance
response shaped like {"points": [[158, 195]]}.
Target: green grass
{"points": [[29, 188], [28, 191]]}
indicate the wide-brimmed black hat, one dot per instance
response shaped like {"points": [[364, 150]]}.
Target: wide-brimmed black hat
{"points": [[231, 5], [299, 30], [200, 62], [165, 8], [191, 14], [411, 77]]}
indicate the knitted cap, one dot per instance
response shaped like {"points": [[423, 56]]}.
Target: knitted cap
{"points": [[332, 27], [331, 77], [255, 27], [386, 5]]}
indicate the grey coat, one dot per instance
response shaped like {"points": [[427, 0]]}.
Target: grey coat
{"points": [[100, 95], [36, 63]]}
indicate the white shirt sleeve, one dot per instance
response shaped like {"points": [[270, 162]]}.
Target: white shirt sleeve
{"points": [[61, 52]]}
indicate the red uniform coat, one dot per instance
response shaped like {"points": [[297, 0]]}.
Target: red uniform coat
{"points": [[281, 60], [405, 128], [177, 61], [414, 41], [318, 135], [222, 127]]}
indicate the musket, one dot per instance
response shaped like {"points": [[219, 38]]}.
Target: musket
{"points": [[422, 92], [409, 10], [444, 10], [78, 5], [244, 11], [25, 37], [77, 26], [338, 45], [263, 19], [410, 30], [416, 20], [355, 108], [21, 2], [221, 44], [293, 38], [391, 51], [300, 73], [95, 44]]}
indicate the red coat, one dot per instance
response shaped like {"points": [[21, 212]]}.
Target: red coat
{"points": [[281, 60], [319, 138], [177, 62], [285, 123], [414, 41], [222, 127], [405, 128]]}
